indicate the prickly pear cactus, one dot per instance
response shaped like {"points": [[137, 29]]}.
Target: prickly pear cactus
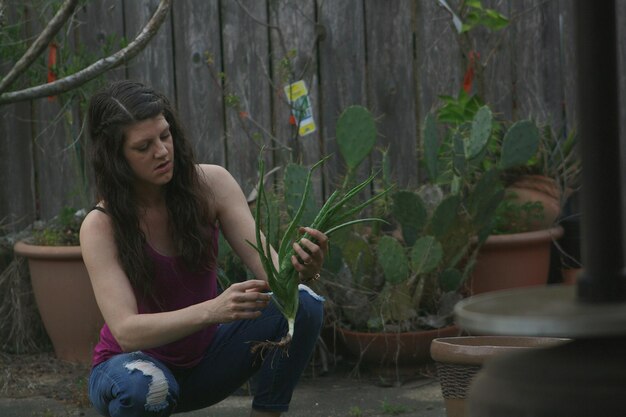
{"points": [[480, 133], [409, 209], [359, 257], [294, 181], [445, 215], [520, 143], [450, 279], [356, 135], [393, 260], [410, 212], [483, 200], [425, 255]]}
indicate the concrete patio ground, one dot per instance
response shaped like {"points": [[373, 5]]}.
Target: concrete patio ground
{"points": [[333, 395]]}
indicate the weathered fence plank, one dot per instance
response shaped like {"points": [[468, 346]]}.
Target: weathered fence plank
{"points": [[199, 92], [341, 72], [535, 43], [391, 82], [17, 202], [58, 181], [17, 196], [495, 84], [154, 65], [568, 69], [246, 65], [293, 47], [438, 58], [395, 58], [101, 30]]}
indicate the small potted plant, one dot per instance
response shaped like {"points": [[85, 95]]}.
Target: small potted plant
{"points": [[518, 251], [61, 285], [527, 222]]}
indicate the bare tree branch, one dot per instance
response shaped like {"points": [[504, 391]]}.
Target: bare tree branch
{"points": [[37, 47], [99, 67]]}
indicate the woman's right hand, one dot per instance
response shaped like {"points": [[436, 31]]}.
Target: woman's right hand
{"points": [[241, 301]]}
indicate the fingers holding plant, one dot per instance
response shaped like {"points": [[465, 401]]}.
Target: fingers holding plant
{"points": [[242, 300], [309, 253]]}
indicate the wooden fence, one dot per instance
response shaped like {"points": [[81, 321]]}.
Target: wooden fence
{"points": [[223, 63]]}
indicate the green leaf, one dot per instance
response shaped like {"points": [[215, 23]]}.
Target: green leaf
{"points": [[459, 161], [450, 280], [425, 255], [445, 215], [431, 146], [294, 182], [484, 199], [520, 143], [480, 133], [409, 209], [357, 254], [495, 20], [356, 135], [392, 260], [395, 303]]}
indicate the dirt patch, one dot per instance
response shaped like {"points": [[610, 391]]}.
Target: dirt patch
{"points": [[42, 374]]}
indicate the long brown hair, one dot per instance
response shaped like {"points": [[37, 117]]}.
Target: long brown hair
{"points": [[111, 110]]}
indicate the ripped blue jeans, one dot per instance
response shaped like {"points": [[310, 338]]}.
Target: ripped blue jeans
{"points": [[137, 385]]}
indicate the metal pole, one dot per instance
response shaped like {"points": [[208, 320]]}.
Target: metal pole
{"points": [[603, 279]]}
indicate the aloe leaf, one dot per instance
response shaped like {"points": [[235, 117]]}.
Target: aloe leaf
{"points": [[284, 244], [351, 223]]}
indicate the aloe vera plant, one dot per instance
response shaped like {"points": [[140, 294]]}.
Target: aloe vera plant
{"points": [[334, 215]]}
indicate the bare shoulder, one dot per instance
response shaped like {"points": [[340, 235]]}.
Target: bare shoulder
{"points": [[225, 188], [213, 174], [219, 180], [96, 226]]}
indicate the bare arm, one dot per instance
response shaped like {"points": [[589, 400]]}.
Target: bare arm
{"points": [[238, 226], [115, 297]]}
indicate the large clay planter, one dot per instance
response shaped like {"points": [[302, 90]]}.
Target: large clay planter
{"points": [[570, 250], [538, 188], [459, 359], [64, 298], [393, 353], [513, 261]]}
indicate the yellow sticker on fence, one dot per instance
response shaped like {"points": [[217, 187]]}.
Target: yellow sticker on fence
{"points": [[301, 109]]}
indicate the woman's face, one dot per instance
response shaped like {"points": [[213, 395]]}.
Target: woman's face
{"points": [[149, 151]]}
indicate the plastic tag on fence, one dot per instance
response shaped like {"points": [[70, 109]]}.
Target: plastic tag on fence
{"points": [[301, 109]]}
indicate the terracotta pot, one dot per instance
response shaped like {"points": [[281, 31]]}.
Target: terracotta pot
{"points": [[513, 260], [459, 359], [389, 353], [64, 298], [570, 250], [570, 275], [531, 188]]}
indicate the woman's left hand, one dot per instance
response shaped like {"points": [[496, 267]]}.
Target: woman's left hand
{"points": [[309, 256]]}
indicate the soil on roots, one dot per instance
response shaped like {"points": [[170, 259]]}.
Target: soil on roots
{"points": [[268, 346]]}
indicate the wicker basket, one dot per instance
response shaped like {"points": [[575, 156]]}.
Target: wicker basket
{"points": [[459, 359]]}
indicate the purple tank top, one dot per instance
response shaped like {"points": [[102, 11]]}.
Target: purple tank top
{"points": [[175, 287]]}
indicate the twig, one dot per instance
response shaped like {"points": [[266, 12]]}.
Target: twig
{"points": [[99, 67], [40, 44]]}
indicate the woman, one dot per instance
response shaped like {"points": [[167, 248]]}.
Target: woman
{"points": [[171, 343]]}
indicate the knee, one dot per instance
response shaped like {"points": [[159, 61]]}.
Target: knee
{"points": [[311, 310], [146, 391]]}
